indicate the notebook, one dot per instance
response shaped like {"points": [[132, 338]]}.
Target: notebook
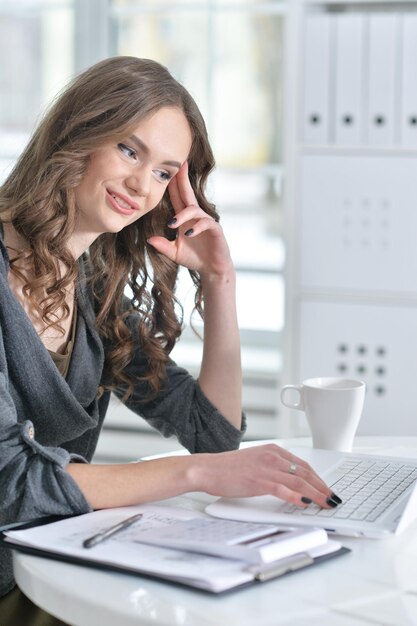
{"points": [[379, 496]]}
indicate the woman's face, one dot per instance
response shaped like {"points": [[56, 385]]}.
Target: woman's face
{"points": [[125, 180]]}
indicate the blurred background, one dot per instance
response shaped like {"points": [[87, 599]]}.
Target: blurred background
{"points": [[229, 56], [311, 108]]}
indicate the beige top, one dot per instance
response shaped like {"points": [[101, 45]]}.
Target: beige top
{"points": [[62, 360]]}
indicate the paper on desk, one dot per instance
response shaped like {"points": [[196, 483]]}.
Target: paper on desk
{"points": [[125, 551], [66, 536]]}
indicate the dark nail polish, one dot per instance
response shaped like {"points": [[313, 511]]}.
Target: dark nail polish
{"points": [[172, 221], [188, 232], [306, 500], [336, 498], [331, 502]]}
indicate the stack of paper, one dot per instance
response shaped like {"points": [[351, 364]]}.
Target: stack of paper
{"points": [[242, 555]]}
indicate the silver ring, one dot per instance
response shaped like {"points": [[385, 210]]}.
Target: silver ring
{"points": [[293, 468]]}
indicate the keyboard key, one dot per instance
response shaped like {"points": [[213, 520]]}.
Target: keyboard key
{"points": [[367, 488]]}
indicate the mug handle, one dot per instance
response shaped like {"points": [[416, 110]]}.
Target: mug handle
{"points": [[297, 405]]}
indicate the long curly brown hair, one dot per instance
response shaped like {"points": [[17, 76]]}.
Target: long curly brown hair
{"points": [[101, 105]]}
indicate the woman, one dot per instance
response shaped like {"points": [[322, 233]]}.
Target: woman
{"points": [[109, 193]]}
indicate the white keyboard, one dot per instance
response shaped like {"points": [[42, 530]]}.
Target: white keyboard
{"points": [[367, 488]]}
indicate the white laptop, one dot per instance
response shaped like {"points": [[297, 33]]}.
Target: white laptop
{"points": [[379, 496]]}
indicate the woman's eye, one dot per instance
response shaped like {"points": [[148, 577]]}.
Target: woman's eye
{"points": [[130, 152], [163, 175]]}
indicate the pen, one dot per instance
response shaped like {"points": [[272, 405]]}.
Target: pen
{"points": [[109, 532]]}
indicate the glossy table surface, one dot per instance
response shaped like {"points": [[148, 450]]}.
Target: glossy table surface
{"points": [[376, 584]]}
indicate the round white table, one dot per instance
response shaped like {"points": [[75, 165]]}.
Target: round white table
{"points": [[376, 584]]}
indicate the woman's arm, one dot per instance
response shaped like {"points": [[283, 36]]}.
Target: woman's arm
{"points": [[33, 480], [201, 246], [252, 471], [220, 375]]}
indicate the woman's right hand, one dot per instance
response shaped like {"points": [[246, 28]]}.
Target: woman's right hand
{"points": [[261, 470], [254, 471]]}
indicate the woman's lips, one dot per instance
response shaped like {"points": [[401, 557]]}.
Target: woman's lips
{"points": [[121, 204]]}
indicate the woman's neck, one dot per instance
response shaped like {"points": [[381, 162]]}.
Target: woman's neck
{"points": [[55, 338], [15, 242]]}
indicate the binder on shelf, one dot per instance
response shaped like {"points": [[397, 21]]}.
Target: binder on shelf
{"points": [[190, 565], [315, 110], [383, 78], [349, 77], [408, 80]]}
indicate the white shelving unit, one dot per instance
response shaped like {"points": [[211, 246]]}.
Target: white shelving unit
{"points": [[351, 204]]}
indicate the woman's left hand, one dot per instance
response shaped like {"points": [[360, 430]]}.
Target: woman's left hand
{"points": [[200, 243]]}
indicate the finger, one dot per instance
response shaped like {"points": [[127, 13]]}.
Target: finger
{"points": [[184, 186], [300, 463], [289, 495], [308, 474], [293, 466], [201, 226], [293, 472], [164, 246], [175, 196], [189, 213], [306, 489]]}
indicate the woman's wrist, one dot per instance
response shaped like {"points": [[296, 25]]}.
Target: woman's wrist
{"points": [[180, 474], [224, 278], [197, 472]]}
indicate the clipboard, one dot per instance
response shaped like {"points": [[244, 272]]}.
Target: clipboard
{"points": [[240, 576]]}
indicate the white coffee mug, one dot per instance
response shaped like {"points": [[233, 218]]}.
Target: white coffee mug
{"points": [[333, 407]]}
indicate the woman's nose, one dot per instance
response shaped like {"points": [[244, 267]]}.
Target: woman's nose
{"points": [[140, 182]]}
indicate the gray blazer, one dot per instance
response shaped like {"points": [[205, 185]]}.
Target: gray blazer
{"points": [[47, 421]]}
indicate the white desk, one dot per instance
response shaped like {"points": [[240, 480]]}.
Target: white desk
{"points": [[374, 585]]}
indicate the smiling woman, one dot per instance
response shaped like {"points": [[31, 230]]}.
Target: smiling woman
{"points": [[130, 181], [110, 193]]}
